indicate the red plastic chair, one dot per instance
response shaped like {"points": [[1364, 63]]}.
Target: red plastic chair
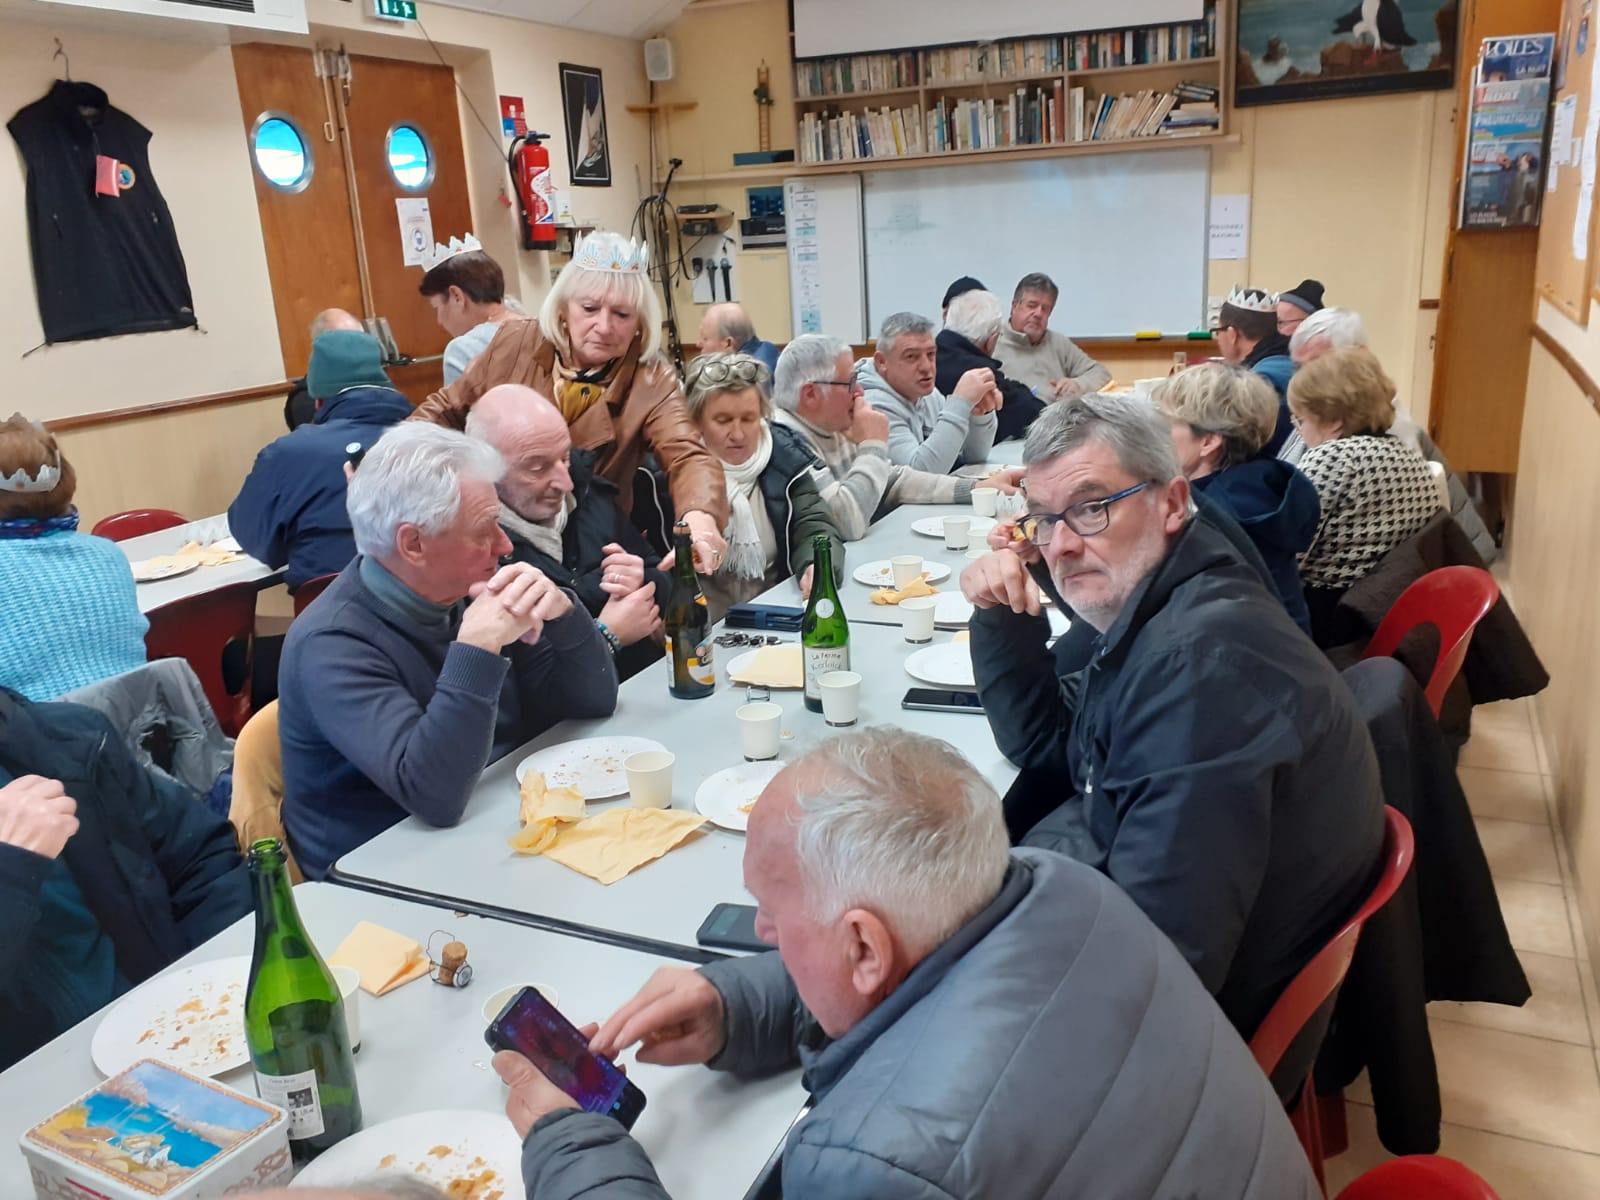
{"points": [[310, 590], [198, 629], [1453, 600], [1321, 977], [1419, 1177], [119, 527]]}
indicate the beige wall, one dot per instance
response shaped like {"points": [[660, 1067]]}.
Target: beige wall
{"points": [[1555, 576], [1353, 192]]}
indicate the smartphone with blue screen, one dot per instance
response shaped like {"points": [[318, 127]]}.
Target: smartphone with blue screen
{"points": [[534, 1028]]}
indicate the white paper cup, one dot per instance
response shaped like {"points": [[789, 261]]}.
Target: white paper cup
{"points": [[907, 569], [496, 1002], [349, 981], [759, 728], [957, 532], [916, 618], [984, 501], [650, 778], [841, 697]]}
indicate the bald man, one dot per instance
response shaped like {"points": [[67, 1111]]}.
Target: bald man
{"points": [[565, 520], [727, 328], [300, 409]]}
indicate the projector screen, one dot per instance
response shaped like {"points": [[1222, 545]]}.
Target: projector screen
{"points": [[824, 27]]}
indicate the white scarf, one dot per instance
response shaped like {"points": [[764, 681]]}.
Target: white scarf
{"points": [[545, 536], [746, 557]]}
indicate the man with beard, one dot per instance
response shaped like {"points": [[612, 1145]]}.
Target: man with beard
{"points": [[1208, 759]]}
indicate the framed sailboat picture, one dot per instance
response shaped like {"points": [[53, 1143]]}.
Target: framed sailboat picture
{"points": [[584, 105]]}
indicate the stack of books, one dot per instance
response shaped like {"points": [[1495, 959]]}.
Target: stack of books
{"points": [[1138, 47], [1195, 112], [1026, 117], [1001, 60], [858, 73], [846, 136], [1186, 110]]}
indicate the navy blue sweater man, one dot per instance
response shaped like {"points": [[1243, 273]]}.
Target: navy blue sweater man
{"points": [[291, 509], [426, 659]]}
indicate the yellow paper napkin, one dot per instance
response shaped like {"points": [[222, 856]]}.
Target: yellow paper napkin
{"points": [[774, 667], [384, 959], [544, 811], [620, 840], [917, 587]]}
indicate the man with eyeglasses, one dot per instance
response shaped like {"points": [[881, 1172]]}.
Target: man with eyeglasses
{"points": [[1247, 336], [1208, 759]]}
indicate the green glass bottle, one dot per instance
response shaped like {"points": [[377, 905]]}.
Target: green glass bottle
{"points": [[294, 1018], [824, 633], [688, 625]]}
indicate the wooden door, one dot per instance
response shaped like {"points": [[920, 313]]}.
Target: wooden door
{"points": [[385, 95], [310, 238]]}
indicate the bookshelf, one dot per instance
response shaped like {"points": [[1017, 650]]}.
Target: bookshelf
{"points": [[1016, 98]]}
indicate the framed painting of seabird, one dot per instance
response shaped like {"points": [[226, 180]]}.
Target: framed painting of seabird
{"points": [[583, 103], [1319, 49]]}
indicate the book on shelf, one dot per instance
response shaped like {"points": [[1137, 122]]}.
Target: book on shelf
{"points": [[848, 136], [1150, 44], [995, 61], [817, 78], [1146, 113]]}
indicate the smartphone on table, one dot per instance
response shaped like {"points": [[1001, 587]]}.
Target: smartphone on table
{"points": [[942, 700], [731, 927], [534, 1028]]}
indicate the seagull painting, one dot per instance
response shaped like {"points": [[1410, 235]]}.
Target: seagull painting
{"points": [[1382, 20]]}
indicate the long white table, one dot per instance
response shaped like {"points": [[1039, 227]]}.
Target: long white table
{"points": [[422, 1047], [664, 901], [201, 579]]}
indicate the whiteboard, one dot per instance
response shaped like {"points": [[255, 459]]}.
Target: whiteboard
{"points": [[1123, 236], [854, 27], [827, 291]]}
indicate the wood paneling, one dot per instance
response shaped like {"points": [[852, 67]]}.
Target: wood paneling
{"points": [[309, 236]]}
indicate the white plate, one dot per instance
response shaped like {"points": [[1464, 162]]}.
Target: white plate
{"points": [[952, 611], [880, 574], [934, 526], [720, 796], [740, 662], [143, 572], [946, 666], [592, 765], [453, 1149], [192, 1019]]}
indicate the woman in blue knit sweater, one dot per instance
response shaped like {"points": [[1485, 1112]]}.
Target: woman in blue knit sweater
{"points": [[69, 613]]}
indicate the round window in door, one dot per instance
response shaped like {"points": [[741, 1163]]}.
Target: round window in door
{"points": [[410, 157], [281, 152]]}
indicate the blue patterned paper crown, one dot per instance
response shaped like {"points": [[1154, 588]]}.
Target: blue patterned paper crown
{"points": [[622, 256]]}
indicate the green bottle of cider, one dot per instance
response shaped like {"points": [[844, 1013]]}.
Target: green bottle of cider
{"points": [[294, 1018], [688, 625], [824, 633]]}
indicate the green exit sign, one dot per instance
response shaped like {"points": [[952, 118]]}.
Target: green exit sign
{"points": [[395, 10]]}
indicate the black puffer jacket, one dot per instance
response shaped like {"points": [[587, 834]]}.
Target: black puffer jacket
{"points": [[957, 356]]}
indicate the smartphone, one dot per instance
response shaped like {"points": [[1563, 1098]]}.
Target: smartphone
{"points": [[535, 1029], [940, 700], [731, 927]]}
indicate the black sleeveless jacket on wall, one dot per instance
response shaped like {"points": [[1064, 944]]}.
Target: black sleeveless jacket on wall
{"points": [[102, 264]]}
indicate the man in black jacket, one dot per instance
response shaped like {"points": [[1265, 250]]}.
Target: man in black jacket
{"points": [[1208, 758], [565, 519], [972, 322], [108, 873]]}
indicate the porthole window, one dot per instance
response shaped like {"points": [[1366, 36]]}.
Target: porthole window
{"points": [[281, 152], [410, 157]]}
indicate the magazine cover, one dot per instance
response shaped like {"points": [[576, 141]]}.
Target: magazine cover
{"points": [[1524, 57]]}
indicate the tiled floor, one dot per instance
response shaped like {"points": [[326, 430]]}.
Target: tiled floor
{"points": [[1521, 1087]]}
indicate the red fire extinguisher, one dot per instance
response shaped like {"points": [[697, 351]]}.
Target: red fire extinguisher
{"points": [[530, 174]]}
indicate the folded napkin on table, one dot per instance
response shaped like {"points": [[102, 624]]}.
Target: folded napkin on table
{"points": [[917, 587], [620, 840], [773, 667], [384, 959]]}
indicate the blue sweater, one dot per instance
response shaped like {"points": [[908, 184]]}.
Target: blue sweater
{"points": [[291, 509], [381, 714], [71, 614]]}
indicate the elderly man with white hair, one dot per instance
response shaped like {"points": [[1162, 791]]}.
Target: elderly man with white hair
{"points": [[972, 1021], [816, 393], [425, 660], [972, 325], [928, 430]]}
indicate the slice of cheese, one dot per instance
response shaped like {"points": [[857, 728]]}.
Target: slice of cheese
{"points": [[384, 959], [773, 667]]}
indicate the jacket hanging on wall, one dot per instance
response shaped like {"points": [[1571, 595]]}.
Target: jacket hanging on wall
{"points": [[105, 254]]}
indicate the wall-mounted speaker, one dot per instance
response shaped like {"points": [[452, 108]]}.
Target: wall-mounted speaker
{"points": [[658, 60]]}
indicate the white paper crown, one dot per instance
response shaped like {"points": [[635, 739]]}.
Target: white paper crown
{"points": [[622, 256], [441, 253], [45, 481], [1252, 300]]}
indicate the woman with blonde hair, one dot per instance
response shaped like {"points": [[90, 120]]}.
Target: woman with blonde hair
{"points": [[1222, 419], [1375, 490], [594, 351], [71, 611]]}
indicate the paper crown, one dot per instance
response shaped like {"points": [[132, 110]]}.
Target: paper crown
{"points": [[1252, 300], [622, 256], [45, 481], [442, 253]]}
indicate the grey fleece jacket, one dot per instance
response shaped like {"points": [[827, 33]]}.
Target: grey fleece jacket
{"points": [[860, 484], [1057, 1047], [936, 433]]}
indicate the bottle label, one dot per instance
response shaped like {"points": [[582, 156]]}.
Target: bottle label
{"points": [[819, 661], [297, 1095], [825, 608], [700, 666]]}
